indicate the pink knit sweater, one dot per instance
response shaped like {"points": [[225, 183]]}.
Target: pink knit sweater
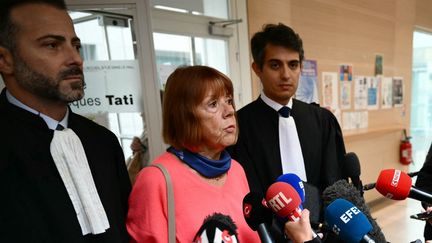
{"points": [[194, 200]]}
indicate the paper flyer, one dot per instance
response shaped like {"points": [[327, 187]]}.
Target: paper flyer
{"points": [[345, 94], [378, 64], [360, 93], [386, 92], [330, 90], [397, 91], [372, 90], [345, 73], [307, 89], [355, 120]]}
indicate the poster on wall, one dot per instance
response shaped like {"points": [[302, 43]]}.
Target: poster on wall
{"points": [[345, 76], [111, 86], [398, 91], [386, 92], [330, 90], [378, 64], [372, 90], [355, 120], [345, 72], [307, 89], [345, 95], [360, 93]]}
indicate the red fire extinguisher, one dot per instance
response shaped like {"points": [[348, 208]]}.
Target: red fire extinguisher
{"points": [[406, 150]]}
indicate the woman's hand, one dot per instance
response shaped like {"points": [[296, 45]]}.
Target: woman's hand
{"points": [[301, 230], [136, 145]]}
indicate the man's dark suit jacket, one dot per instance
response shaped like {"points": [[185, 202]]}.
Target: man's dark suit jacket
{"points": [[257, 148]]}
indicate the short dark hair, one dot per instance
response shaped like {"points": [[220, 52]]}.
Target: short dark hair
{"points": [[185, 89], [278, 35], [8, 29]]}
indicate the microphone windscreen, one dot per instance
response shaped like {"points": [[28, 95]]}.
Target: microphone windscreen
{"points": [[352, 165], [342, 189], [347, 220], [254, 211], [295, 182], [394, 184], [283, 199], [217, 228]]}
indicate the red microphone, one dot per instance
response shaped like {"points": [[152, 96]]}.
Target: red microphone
{"points": [[284, 200], [397, 185]]}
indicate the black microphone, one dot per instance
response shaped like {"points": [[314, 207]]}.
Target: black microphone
{"points": [[217, 228], [352, 169], [342, 189], [369, 186], [257, 215]]}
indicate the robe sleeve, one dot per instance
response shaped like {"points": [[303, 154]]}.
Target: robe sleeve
{"points": [[334, 149]]}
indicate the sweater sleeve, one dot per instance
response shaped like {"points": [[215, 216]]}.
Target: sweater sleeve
{"points": [[147, 216]]}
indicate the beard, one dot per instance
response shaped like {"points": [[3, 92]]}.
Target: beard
{"points": [[47, 87]]}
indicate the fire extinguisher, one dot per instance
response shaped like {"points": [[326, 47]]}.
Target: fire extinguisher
{"points": [[406, 150]]}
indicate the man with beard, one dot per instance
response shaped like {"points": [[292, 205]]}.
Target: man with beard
{"points": [[62, 177]]}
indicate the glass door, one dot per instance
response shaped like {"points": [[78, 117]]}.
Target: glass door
{"points": [[421, 101], [202, 32], [131, 46], [119, 71]]}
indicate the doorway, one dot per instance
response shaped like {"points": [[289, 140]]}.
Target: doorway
{"points": [[421, 103]]}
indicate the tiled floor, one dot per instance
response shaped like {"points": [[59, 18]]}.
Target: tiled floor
{"points": [[393, 218]]}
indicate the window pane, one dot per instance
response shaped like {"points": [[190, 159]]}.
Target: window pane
{"points": [[107, 42], [171, 51], [120, 43], [211, 8], [213, 53], [92, 40], [421, 103]]}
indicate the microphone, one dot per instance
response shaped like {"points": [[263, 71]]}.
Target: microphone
{"points": [[342, 189], [283, 200], [295, 182], [348, 222], [309, 194], [257, 215], [369, 186], [372, 185], [217, 228], [397, 185], [352, 169]]}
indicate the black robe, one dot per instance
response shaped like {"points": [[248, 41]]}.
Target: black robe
{"points": [[34, 204], [257, 148]]}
